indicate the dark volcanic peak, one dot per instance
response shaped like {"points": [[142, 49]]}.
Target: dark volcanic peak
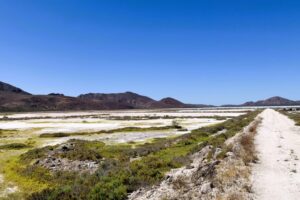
{"points": [[112, 96], [125, 100], [273, 101], [278, 101], [168, 103], [4, 87], [172, 102]]}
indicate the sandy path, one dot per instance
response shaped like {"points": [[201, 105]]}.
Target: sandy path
{"points": [[277, 175]]}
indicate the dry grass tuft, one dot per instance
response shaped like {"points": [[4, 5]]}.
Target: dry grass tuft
{"points": [[247, 142], [179, 183], [248, 154], [233, 175]]}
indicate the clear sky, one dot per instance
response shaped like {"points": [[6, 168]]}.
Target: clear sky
{"points": [[203, 51]]}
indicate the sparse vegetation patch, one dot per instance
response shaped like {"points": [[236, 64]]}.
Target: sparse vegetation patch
{"points": [[125, 168], [126, 129], [293, 115]]}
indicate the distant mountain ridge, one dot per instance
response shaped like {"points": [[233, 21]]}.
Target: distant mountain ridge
{"points": [[133, 100], [15, 99], [273, 101]]}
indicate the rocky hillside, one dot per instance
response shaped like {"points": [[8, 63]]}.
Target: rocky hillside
{"points": [[15, 99], [133, 100], [120, 100], [168, 103]]}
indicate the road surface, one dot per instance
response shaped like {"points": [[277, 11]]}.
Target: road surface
{"points": [[277, 174]]}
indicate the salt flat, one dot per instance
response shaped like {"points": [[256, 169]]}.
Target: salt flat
{"points": [[141, 113], [26, 127]]}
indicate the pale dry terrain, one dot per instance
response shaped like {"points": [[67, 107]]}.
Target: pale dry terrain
{"points": [[163, 112]]}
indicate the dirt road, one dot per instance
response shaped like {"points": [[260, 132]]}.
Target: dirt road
{"points": [[277, 175]]}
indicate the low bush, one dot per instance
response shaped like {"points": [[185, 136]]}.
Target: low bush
{"points": [[82, 151], [108, 189], [49, 135], [35, 154], [14, 146]]}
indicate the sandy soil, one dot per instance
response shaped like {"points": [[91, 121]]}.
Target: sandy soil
{"points": [[277, 175], [1, 179]]}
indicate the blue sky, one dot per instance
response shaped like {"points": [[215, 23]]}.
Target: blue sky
{"points": [[204, 51]]}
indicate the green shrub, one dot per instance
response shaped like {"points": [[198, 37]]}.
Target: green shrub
{"points": [[15, 146], [148, 170], [35, 154], [49, 135], [108, 189]]}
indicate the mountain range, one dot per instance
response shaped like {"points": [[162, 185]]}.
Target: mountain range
{"points": [[15, 99]]}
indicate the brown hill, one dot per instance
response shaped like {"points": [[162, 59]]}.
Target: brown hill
{"points": [[127, 100], [168, 103]]}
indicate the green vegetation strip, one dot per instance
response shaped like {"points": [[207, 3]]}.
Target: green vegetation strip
{"points": [[123, 168], [128, 118], [293, 115], [126, 129], [14, 146], [106, 116]]}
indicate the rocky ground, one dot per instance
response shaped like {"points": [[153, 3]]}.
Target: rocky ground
{"points": [[262, 163], [210, 176], [55, 163]]}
